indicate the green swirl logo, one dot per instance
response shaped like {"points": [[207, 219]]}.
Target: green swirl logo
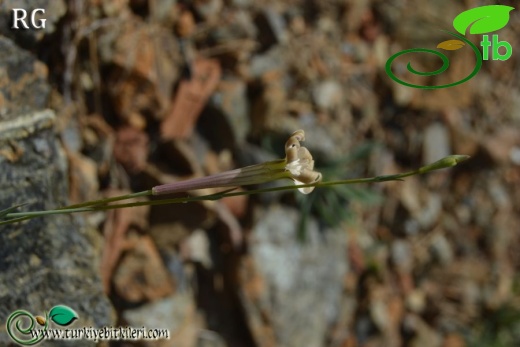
{"points": [[23, 328], [479, 20], [17, 325]]}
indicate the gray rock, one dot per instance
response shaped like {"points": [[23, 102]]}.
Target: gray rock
{"points": [[231, 100], [23, 85], [209, 9], [173, 314], [441, 249], [271, 28], [304, 279], [327, 94], [402, 255], [431, 211], [272, 60], [166, 313], [436, 143], [242, 3], [44, 261]]}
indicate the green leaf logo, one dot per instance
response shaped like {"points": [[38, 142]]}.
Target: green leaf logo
{"points": [[483, 19], [62, 315]]}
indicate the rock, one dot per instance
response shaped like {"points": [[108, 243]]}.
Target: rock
{"points": [[272, 60], [44, 261], [416, 301], [436, 143], [425, 336], [197, 248], [242, 3], [175, 313], [163, 11], [424, 207], [327, 94], [431, 262], [23, 85], [514, 155], [148, 64], [67, 250], [431, 211], [270, 27], [141, 275], [293, 274], [231, 98], [500, 143], [208, 9], [441, 249], [269, 106], [402, 255], [322, 143]]}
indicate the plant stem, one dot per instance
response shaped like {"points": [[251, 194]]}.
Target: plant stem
{"points": [[254, 174], [102, 204], [108, 200]]}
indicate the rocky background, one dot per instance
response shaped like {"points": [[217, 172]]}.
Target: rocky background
{"points": [[119, 96]]}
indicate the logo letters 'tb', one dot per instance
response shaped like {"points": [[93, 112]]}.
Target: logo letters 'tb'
{"points": [[495, 45]]}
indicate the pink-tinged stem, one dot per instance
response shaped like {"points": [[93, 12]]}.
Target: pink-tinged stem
{"points": [[254, 174]]}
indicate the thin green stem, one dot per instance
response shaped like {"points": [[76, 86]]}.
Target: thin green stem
{"points": [[216, 196], [102, 204], [109, 200], [33, 214], [15, 220]]}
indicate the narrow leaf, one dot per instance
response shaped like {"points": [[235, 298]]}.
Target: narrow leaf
{"points": [[483, 19], [5, 212], [451, 45], [62, 315], [14, 220]]}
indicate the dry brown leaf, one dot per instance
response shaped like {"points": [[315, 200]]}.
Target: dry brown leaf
{"points": [[191, 99]]}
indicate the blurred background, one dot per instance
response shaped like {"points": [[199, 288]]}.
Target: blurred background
{"points": [[118, 96]]}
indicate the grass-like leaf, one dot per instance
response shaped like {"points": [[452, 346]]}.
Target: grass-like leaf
{"points": [[8, 210]]}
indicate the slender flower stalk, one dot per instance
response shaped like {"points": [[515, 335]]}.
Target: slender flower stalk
{"points": [[298, 165], [254, 174]]}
